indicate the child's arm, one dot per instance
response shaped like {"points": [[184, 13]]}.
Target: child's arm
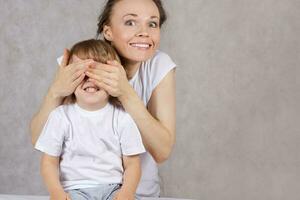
{"points": [[131, 177], [50, 173]]}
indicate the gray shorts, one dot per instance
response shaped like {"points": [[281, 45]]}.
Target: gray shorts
{"points": [[101, 192]]}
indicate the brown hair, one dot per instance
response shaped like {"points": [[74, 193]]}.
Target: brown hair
{"points": [[104, 18], [99, 51]]}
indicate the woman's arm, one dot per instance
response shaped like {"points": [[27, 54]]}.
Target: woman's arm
{"points": [[131, 178], [51, 101], [50, 174], [67, 78], [157, 123]]}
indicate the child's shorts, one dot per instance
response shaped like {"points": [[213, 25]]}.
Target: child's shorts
{"points": [[102, 192]]}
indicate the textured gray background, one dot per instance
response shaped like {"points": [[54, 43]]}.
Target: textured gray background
{"points": [[238, 113]]}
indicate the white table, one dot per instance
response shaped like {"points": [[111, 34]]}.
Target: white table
{"points": [[24, 197]]}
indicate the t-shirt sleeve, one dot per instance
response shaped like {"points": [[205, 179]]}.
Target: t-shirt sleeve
{"points": [[130, 137], [161, 65], [59, 59], [52, 137]]}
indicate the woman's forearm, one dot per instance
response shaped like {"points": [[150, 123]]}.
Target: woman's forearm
{"points": [[156, 137], [50, 102]]}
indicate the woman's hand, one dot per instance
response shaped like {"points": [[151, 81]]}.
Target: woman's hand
{"points": [[111, 77], [68, 77]]}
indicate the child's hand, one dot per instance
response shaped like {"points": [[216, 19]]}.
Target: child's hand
{"points": [[60, 196], [123, 195]]}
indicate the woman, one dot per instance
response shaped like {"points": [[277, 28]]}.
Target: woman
{"points": [[144, 83]]}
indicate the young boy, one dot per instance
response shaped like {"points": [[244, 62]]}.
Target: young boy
{"points": [[87, 143]]}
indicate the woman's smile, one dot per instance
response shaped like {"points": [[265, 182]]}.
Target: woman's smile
{"points": [[141, 46]]}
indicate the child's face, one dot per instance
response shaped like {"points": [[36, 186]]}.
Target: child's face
{"points": [[88, 95], [134, 29]]}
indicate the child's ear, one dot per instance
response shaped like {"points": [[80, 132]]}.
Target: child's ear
{"points": [[107, 33]]}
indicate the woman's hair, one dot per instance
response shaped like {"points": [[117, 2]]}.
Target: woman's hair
{"points": [[99, 51], [104, 18]]}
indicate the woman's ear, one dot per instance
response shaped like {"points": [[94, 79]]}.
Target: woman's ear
{"points": [[107, 33]]}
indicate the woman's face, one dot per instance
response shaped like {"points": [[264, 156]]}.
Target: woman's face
{"points": [[134, 29]]}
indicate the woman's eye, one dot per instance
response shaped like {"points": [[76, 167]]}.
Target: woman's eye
{"points": [[129, 23], [153, 24]]}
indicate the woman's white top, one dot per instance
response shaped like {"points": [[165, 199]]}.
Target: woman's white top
{"points": [[147, 77]]}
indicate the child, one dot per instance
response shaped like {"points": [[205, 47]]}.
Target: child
{"points": [[85, 142]]}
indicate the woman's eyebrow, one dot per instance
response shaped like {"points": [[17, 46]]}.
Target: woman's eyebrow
{"points": [[130, 14], [135, 15], [153, 17]]}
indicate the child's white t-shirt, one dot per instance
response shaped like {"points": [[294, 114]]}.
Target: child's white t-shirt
{"points": [[90, 143]]}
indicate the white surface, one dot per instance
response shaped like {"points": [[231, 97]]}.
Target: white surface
{"points": [[24, 197]]}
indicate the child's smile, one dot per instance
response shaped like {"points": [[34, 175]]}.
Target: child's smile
{"points": [[90, 87]]}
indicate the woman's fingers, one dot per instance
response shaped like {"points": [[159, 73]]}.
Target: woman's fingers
{"points": [[80, 65], [93, 76], [110, 82], [105, 67], [77, 81], [77, 74], [101, 74], [102, 85], [114, 63]]}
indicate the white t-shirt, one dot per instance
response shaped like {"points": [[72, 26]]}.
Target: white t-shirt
{"points": [[148, 76], [90, 143]]}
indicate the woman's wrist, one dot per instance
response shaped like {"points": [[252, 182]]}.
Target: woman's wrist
{"points": [[54, 96], [128, 92]]}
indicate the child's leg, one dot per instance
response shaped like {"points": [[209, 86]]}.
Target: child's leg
{"points": [[112, 191]]}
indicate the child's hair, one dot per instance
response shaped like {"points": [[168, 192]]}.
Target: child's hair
{"points": [[99, 51]]}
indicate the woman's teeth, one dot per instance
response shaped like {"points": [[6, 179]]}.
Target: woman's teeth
{"points": [[140, 45]]}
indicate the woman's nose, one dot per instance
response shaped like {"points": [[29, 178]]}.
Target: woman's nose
{"points": [[143, 32]]}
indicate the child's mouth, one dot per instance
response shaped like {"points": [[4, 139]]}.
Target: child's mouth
{"points": [[91, 89]]}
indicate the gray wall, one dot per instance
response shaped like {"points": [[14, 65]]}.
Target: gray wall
{"points": [[238, 130]]}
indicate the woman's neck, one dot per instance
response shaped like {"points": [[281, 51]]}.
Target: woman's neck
{"points": [[130, 67]]}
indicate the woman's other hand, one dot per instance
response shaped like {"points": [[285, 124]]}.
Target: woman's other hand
{"points": [[111, 77], [68, 77]]}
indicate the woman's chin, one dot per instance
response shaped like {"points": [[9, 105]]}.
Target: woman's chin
{"points": [[140, 57]]}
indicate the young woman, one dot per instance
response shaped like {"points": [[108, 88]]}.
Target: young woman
{"points": [[144, 83]]}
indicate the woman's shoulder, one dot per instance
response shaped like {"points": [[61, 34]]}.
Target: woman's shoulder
{"points": [[160, 55], [160, 61]]}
